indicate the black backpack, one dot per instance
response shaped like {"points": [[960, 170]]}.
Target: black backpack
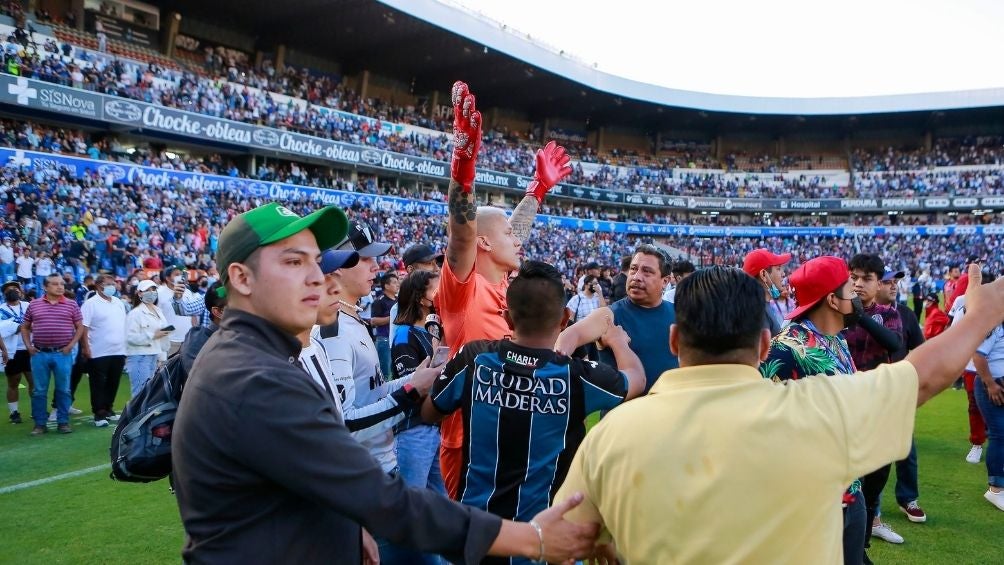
{"points": [[141, 443]]}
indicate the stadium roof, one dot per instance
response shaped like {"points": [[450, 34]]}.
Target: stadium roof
{"points": [[412, 40]]}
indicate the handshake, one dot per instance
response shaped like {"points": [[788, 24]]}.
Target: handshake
{"points": [[553, 162]]}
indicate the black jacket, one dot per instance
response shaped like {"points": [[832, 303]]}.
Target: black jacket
{"points": [[266, 472]]}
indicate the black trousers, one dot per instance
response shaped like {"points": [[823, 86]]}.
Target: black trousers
{"points": [[871, 486], [104, 374]]}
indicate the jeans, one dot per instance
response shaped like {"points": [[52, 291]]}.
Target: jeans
{"points": [[383, 352], [855, 524], [418, 458], [993, 415], [6, 272], [141, 369], [906, 477], [58, 366]]}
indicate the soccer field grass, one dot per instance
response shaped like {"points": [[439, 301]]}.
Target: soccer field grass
{"points": [[87, 518]]}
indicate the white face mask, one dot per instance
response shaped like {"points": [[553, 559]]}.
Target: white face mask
{"points": [[148, 297]]}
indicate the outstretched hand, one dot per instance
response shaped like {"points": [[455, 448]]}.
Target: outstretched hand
{"points": [[466, 136], [564, 540], [553, 165]]}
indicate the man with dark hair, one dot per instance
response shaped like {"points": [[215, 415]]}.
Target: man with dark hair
{"points": [[618, 287], [643, 314], [419, 257], [17, 363], [264, 468], [680, 270], [907, 489], [524, 405], [768, 269], [878, 335], [380, 320], [51, 329], [715, 432]]}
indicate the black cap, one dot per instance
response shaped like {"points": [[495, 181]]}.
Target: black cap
{"points": [[360, 239], [421, 253], [932, 296]]}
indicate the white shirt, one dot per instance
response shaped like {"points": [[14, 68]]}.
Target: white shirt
{"points": [[314, 359], [141, 324], [669, 295], [165, 296], [43, 267], [10, 320], [957, 311], [355, 370], [6, 254], [106, 325], [24, 265], [993, 349]]}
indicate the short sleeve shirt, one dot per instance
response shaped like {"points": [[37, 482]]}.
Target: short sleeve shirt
{"points": [[869, 353], [524, 410]]}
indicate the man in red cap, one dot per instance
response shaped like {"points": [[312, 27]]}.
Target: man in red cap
{"points": [[768, 268], [812, 345]]}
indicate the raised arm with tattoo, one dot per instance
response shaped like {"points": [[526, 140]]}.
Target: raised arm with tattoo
{"points": [[461, 247], [552, 166]]}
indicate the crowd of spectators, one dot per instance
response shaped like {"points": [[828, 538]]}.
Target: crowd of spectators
{"points": [[221, 94]]}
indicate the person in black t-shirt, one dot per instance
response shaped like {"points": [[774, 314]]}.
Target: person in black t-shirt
{"points": [[380, 318]]}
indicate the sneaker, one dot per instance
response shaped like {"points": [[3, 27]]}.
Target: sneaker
{"points": [[100, 423], [112, 417], [39, 430], [15, 417], [74, 411], [974, 455], [886, 533], [995, 498], [914, 512], [64, 429], [52, 416]]}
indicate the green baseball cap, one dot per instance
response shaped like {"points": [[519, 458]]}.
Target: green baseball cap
{"points": [[271, 223]]}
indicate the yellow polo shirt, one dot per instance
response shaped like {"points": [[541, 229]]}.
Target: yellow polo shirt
{"points": [[718, 465]]}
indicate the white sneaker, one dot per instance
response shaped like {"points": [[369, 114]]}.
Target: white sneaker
{"points": [[886, 533], [75, 411], [52, 416], [113, 418], [100, 423], [974, 455], [995, 498]]}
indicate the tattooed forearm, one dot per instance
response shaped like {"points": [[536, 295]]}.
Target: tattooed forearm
{"points": [[461, 206], [523, 217]]}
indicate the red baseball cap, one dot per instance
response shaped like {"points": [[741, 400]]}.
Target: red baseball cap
{"points": [[814, 280], [762, 259]]}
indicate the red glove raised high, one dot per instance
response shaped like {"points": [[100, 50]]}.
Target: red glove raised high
{"points": [[466, 136], [552, 167]]}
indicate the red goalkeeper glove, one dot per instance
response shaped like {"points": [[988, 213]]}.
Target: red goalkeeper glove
{"points": [[552, 166], [466, 136]]}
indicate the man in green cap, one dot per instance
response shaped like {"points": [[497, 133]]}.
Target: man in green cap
{"points": [[264, 468]]}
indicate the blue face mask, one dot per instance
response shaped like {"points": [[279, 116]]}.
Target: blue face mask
{"points": [[108, 290], [775, 292]]}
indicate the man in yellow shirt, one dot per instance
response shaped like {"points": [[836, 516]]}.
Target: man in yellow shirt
{"points": [[733, 468]]}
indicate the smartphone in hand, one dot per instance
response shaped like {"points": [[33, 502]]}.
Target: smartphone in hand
{"points": [[441, 356], [167, 329]]}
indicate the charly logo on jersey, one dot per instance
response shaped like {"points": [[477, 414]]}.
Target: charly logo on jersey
{"points": [[524, 360], [266, 137], [878, 318], [115, 171], [123, 110], [371, 157], [284, 211]]}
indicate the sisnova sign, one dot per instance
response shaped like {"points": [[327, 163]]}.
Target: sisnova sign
{"points": [[49, 97], [132, 174]]}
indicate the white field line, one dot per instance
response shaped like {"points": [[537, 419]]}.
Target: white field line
{"points": [[52, 479]]}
